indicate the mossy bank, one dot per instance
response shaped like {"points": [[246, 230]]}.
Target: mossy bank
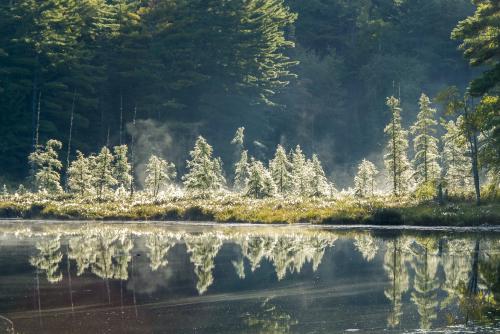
{"points": [[378, 211]]}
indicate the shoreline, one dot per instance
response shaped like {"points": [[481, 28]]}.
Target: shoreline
{"points": [[375, 212]]}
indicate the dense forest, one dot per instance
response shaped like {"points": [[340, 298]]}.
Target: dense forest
{"points": [[159, 73]]}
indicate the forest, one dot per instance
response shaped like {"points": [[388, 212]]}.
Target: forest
{"points": [[338, 105]]}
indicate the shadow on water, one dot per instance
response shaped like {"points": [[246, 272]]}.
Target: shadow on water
{"points": [[96, 277]]}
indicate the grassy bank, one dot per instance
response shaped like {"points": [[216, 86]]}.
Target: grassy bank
{"points": [[348, 210]]}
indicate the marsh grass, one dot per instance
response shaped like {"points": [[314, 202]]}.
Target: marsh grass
{"points": [[384, 210]]}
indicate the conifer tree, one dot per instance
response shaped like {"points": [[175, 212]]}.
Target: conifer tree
{"points": [[456, 164], [48, 166], [364, 181], [121, 167], [396, 159], [205, 172], [427, 169], [299, 173], [260, 184], [238, 139], [158, 174], [241, 172], [318, 184], [103, 172], [280, 168], [80, 175]]}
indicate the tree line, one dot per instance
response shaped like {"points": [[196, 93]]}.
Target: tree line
{"points": [[439, 165]]}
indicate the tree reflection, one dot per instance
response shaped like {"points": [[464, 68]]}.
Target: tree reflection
{"points": [[397, 272], [158, 245], [48, 258], [269, 318], [426, 284], [203, 248], [366, 244]]}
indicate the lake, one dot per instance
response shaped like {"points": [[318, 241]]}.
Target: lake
{"points": [[205, 278]]}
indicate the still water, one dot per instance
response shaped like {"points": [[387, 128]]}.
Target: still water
{"points": [[188, 278]]}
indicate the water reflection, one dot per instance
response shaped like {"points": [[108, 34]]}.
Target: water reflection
{"points": [[440, 279]]}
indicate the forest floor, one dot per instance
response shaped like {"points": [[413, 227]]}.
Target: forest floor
{"points": [[348, 210]]}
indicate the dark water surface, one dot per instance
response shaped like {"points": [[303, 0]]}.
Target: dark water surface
{"points": [[180, 278]]}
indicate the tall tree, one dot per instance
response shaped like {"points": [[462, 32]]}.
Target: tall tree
{"points": [[425, 144], [396, 159], [280, 169]]}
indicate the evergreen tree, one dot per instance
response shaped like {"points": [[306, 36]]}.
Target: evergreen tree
{"points": [[260, 184], [48, 166], [241, 172], [425, 145], [103, 172], [81, 174], [280, 168], [396, 159], [318, 184], [299, 173], [238, 139], [159, 173], [121, 167], [205, 172], [364, 181], [456, 164]]}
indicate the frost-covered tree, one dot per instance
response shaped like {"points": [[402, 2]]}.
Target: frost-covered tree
{"points": [[48, 166], [260, 184], [364, 181], [396, 159], [241, 171], [159, 173], [121, 166], [280, 168], [5, 191], [318, 184], [238, 139], [103, 172], [299, 173], [205, 172], [456, 165], [80, 175], [425, 144]]}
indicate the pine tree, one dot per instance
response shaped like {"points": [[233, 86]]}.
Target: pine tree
{"points": [[396, 159], [81, 175], [427, 169], [241, 172], [318, 184], [260, 184], [48, 166], [238, 139], [456, 164], [103, 172], [121, 167], [299, 173], [205, 172], [364, 181], [280, 168], [159, 173]]}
